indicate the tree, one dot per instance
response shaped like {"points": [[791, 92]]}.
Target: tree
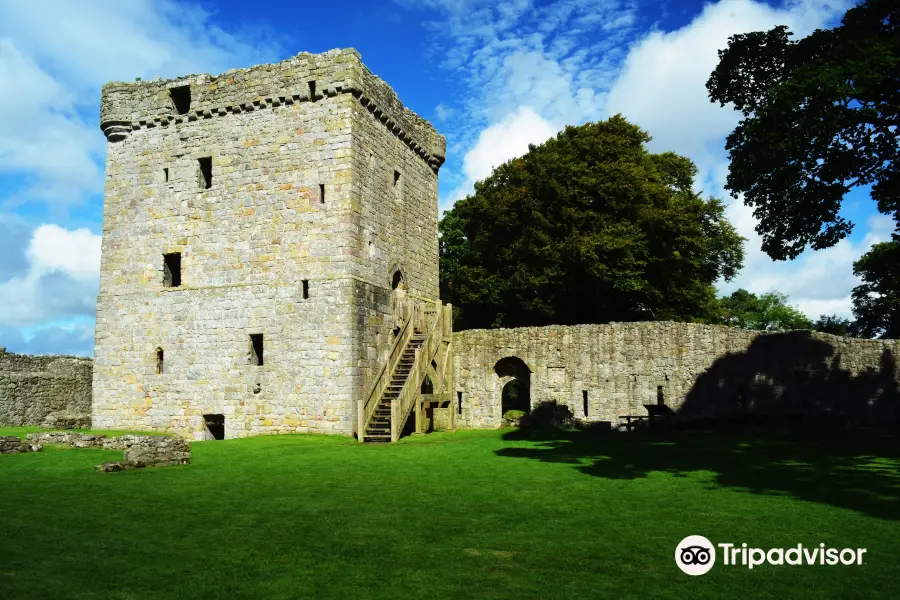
{"points": [[876, 302], [835, 325], [761, 313], [587, 228], [820, 116]]}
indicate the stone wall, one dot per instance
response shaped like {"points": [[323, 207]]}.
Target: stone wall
{"points": [[35, 387], [695, 370], [322, 185]]}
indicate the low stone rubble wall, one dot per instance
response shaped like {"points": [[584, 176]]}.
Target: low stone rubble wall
{"points": [[66, 421], [10, 444], [147, 450], [140, 450]]}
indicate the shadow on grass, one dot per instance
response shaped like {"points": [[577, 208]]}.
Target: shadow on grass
{"points": [[848, 468]]}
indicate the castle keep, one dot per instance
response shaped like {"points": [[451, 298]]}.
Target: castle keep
{"points": [[270, 265], [255, 225]]}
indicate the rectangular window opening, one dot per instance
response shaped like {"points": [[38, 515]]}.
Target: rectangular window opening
{"points": [[312, 90], [459, 402], [205, 164], [256, 349], [159, 361], [306, 289], [181, 98], [172, 269], [660, 397], [398, 186], [584, 401], [215, 425], [321, 193], [166, 175]]}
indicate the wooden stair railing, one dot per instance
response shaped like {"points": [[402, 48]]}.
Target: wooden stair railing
{"points": [[385, 407], [368, 403]]}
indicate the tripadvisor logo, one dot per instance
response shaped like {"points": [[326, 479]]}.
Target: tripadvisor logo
{"points": [[696, 555]]}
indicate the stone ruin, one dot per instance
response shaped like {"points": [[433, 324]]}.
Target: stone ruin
{"points": [[139, 450]]}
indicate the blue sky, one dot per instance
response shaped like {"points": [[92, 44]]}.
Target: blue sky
{"points": [[493, 76]]}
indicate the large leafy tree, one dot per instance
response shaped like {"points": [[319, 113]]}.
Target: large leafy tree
{"points": [[589, 227], [876, 302], [835, 325], [766, 312], [821, 115]]}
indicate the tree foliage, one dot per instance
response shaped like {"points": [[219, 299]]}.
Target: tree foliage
{"points": [[835, 325], [766, 312], [821, 115], [589, 227], [876, 302]]}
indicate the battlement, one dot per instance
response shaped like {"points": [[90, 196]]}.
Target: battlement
{"points": [[126, 107]]}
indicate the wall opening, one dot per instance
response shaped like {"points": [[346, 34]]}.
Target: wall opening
{"points": [[256, 349], [516, 393], [396, 280], [159, 361], [205, 171], [181, 98], [398, 186], [660, 396], [427, 386], [584, 402], [312, 90], [215, 425], [306, 289], [166, 175], [172, 269], [321, 193], [459, 403]]}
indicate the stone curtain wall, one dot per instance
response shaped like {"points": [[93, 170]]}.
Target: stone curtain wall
{"points": [[701, 371], [33, 387], [261, 252]]}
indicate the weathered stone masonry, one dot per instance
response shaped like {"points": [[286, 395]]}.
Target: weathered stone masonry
{"points": [[696, 370], [35, 387], [291, 194]]}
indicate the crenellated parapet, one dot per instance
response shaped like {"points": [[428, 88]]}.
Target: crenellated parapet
{"points": [[126, 107]]}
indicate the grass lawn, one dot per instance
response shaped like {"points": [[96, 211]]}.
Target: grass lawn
{"points": [[477, 514]]}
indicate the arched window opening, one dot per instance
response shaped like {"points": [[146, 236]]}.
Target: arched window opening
{"points": [[397, 279], [159, 361]]}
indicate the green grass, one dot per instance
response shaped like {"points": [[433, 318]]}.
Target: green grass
{"points": [[460, 515]]}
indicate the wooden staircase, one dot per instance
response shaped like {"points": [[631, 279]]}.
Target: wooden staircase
{"points": [[422, 348], [379, 426]]}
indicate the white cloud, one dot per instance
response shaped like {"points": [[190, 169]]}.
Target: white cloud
{"points": [[501, 142], [61, 282], [55, 55], [76, 253]]}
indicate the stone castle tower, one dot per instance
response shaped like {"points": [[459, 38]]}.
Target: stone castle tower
{"points": [[254, 226]]}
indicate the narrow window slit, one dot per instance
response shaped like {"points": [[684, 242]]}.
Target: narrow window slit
{"points": [[312, 90], [205, 165], [256, 349], [159, 361], [459, 402], [166, 175], [305, 289], [660, 397], [584, 401], [321, 193], [172, 269]]}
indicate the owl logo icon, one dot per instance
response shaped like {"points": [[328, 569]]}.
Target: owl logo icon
{"points": [[695, 555]]}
